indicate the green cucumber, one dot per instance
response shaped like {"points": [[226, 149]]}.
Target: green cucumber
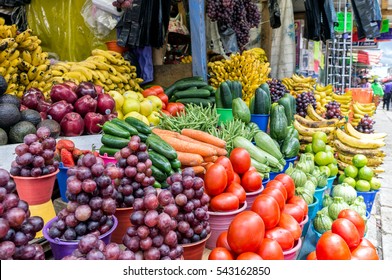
{"points": [[175, 164], [177, 85], [160, 161], [241, 110], [198, 101], [139, 125], [158, 174], [160, 146], [285, 101], [125, 125], [114, 141], [218, 101], [143, 137], [192, 93], [113, 129], [157, 185], [236, 89], [226, 95], [262, 102], [108, 150]]}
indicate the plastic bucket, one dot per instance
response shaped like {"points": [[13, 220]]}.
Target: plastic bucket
{"points": [[113, 46], [288, 161], [312, 210], [35, 190], [194, 251], [123, 218], [62, 181], [260, 120], [62, 248], [369, 198], [225, 115], [293, 252], [316, 233], [265, 181], [45, 211], [219, 222], [107, 159], [303, 223], [251, 196], [330, 181], [319, 193], [272, 175]]}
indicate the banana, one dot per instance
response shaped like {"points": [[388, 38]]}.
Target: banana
{"points": [[21, 37], [85, 71], [15, 78], [78, 76], [88, 64], [26, 56], [99, 83], [11, 87], [61, 66], [33, 84], [24, 79], [11, 70], [32, 73], [5, 64], [340, 147], [369, 110], [344, 97], [307, 131], [313, 114], [98, 58], [40, 74], [104, 73], [107, 55], [315, 124], [355, 133], [122, 69], [372, 162], [4, 55], [100, 75], [2, 21], [115, 79], [2, 71], [359, 111], [308, 139], [358, 143]]}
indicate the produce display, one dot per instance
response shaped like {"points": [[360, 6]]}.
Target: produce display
{"points": [[277, 89], [365, 125], [323, 95], [362, 111], [345, 101], [305, 99], [333, 110], [260, 103], [298, 84]]}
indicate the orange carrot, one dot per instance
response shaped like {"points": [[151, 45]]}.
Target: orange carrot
{"points": [[188, 147], [204, 137], [219, 151], [159, 131], [210, 159], [189, 159], [198, 169], [207, 165]]}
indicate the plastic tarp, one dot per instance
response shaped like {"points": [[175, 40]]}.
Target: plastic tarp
{"points": [[62, 29]]}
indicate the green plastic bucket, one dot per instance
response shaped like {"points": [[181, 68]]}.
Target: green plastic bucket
{"points": [[225, 115]]}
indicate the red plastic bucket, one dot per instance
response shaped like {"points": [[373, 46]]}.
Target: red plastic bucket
{"points": [[107, 159]]}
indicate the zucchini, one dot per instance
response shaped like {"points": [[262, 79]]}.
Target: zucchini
{"points": [[198, 101], [108, 150], [260, 167], [226, 95], [236, 89], [158, 174], [278, 123], [285, 101], [241, 110], [132, 131], [218, 100], [290, 147], [192, 93], [160, 161], [113, 129], [262, 102], [266, 143], [182, 85], [139, 125], [160, 146], [169, 91], [114, 141]]}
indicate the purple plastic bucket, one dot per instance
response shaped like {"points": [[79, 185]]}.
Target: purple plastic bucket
{"points": [[369, 198], [293, 252], [219, 222], [61, 248], [251, 196]]}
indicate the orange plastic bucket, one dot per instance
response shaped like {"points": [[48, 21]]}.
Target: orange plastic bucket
{"points": [[35, 190], [362, 95], [113, 46]]}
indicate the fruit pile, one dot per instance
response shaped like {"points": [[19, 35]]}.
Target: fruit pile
{"points": [[277, 89], [17, 227], [333, 111], [365, 125], [303, 100], [323, 95], [298, 84], [345, 102], [362, 111]]}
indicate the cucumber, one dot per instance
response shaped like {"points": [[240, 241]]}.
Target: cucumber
{"points": [[160, 146], [114, 141], [108, 150], [211, 89], [182, 85], [241, 110], [236, 89], [169, 91], [158, 174], [218, 100], [143, 137], [260, 167], [192, 93], [160, 161], [226, 95], [114, 129], [125, 125], [157, 185], [266, 143], [198, 101], [139, 125], [175, 164], [262, 102]]}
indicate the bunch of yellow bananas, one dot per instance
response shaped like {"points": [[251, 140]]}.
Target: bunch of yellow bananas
{"points": [[345, 101], [23, 63], [246, 68], [298, 84], [323, 95], [360, 110], [186, 59], [260, 53]]}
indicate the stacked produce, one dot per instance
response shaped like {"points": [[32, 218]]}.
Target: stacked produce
{"points": [[260, 103], [365, 125], [186, 59], [345, 101], [303, 101], [22, 62], [260, 53], [333, 111], [323, 95], [17, 227], [277, 89], [68, 154], [362, 112], [298, 84], [227, 92]]}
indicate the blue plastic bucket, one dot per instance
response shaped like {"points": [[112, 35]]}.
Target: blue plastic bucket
{"points": [[288, 161], [62, 181], [272, 175], [369, 198], [265, 181], [330, 181], [260, 120], [312, 210], [319, 193]]}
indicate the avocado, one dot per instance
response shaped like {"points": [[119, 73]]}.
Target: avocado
{"points": [[3, 85], [31, 115], [9, 115], [20, 130], [10, 99], [53, 126], [3, 137]]}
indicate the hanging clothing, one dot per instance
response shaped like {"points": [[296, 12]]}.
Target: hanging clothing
{"points": [[367, 18]]}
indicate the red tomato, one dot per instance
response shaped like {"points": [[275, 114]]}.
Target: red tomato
{"points": [[163, 97], [312, 256], [221, 241], [246, 232], [165, 112], [332, 247], [282, 236], [215, 179], [248, 256], [251, 181], [276, 194], [240, 159], [224, 202], [252, 168], [175, 108], [153, 90], [180, 106], [300, 202], [294, 210], [238, 191], [347, 230], [288, 183], [355, 218], [268, 209], [270, 250], [225, 161], [288, 222], [364, 253], [237, 178], [278, 185], [366, 243], [220, 253]]}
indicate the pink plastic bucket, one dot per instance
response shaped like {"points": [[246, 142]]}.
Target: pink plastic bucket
{"points": [[251, 196], [293, 252]]}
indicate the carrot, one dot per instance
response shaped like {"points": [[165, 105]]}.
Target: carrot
{"points": [[159, 132], [189, 159], [219, 151], [188, 147], [65, 144], [207, 165], [198, 169], [210, 159], [204, 137]]}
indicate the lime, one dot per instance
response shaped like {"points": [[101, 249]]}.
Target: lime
{"points": [[365, 173], [362, 186], [321, 158], [320, 136], [330, 157], [335, 161], [318, 146], [351, 171], [333, 168], [308, 148], [375, 184], [359, 160], [350, 181], [341, 178], [328, 148]]}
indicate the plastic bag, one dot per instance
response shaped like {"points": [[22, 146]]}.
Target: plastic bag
{"points": [[228, 38], [14, 3], [177, 25], [366, 19], [274, 11]]}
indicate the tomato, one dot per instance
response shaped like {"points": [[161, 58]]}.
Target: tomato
{"points": [[174, 108], [224, 202], [249, 256], [282, 236], [238, 191], [251, 181], [153, 90], [237, 178], [220, 253], [347, 230], [225, 161], [215, 179], [252, 168], [221, 241], [276, 194], [163, 97], [288, 183], [268, 209], [240, 159], [332, 247], [355, 218], [300, 202], [364, 253], [246, 232], [180, 106], [270, 250], [295, 211], [312, 256], [167, 113], [288, 222], [366, 243], [278, 185]]}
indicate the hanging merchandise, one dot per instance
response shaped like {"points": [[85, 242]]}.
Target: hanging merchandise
{"points": [[367, 19], [274, 12], [14, 3], [328, 20], [320, 20], [228, 38]]}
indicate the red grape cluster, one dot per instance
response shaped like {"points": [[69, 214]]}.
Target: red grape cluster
{"points": [[192, 203], [277, 89], [17, 228], [333, 110], [302, 102], [122, 4], [366, 124], [91, 205], [137, 173], [35, 156], [90, 247], [152, 235]]}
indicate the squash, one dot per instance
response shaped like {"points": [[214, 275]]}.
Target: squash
{"points": [[322, 222], [262, 102], [225, 95], [278, 123], [345, 191], [285, 101], [266, 143], [241, 110], [338, 204]]}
